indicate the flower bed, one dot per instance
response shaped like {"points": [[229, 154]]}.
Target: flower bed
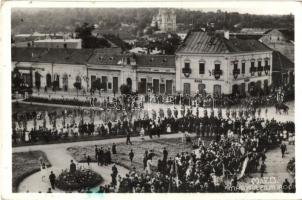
{"points": [[291, 167], [80, 179], [25, 164]]}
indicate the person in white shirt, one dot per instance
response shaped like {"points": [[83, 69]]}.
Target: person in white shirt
{"points": [[142, 133]]}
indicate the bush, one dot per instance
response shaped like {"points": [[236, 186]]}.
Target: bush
{"points": [[125, 89], [81, 179]]}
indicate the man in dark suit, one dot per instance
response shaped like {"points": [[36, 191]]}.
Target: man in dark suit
{"points": [[131, 155], [72, 167], [52, 179], [283, 149], [165, 153]]}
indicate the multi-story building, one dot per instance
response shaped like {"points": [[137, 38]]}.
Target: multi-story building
{"points": [[165, 20], [218, 65]]}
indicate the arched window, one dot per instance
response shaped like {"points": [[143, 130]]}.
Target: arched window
{"points": [[48, 80], [65, 82]]}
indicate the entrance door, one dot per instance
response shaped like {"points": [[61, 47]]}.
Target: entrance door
{"points": [[265, 86], [169, 86], [242, 89], [143, 86], [26, 78], [115, 84], [129, 83], [217, 90], [92, 82], [156, 86], [187, 88], [37, 80], [162, 88], [201, 88], [104, 83], [235, 89], [251, 87], [48, 80], [56, 81], [65, 82]]}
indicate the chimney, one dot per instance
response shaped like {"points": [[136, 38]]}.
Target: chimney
{"points": [[227, 35]]}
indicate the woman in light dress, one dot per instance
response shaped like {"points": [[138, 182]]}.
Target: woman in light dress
{"points": [[43, 171], [168, 128], [142, 133], [149, 165], [26, 136]]}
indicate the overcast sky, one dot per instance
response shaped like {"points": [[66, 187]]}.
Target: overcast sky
{"points": [[261, 7], [252, 7]]}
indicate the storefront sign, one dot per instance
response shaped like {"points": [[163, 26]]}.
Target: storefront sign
{"points": [[198, 81], [246, 80]]}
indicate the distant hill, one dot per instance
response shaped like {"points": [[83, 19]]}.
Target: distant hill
{"points": [[45, 20]]}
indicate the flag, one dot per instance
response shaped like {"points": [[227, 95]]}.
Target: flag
{"points": [[176, 171]]}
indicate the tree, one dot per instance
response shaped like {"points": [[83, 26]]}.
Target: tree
{"points": [[78, 86], [125, 89], [38, 81], [96, 85], [17, 80], [88, 40]]}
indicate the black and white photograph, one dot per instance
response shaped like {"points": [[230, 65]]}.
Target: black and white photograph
{"points": [[152, 99]]}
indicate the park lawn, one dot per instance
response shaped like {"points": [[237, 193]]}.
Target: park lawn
{"points": [[25, 164], [173, 146]]}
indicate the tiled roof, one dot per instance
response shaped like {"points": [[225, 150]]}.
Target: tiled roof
{"points": [[202, 42], [27, 54], [88, 56], [67, 56], [60, 56], [281, 62], [105, 59], [155, 60]]}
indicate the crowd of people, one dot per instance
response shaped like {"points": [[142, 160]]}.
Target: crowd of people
{"points": [[239, 142], [231, 153], [133, 123], [122, 102]]}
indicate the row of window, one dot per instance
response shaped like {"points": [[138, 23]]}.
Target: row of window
{"points": [[217, 66]]}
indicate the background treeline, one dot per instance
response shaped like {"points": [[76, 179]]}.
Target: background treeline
{"points": [[45, 20]]}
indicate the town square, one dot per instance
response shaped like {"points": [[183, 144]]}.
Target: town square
{"points": [[144, 100]]}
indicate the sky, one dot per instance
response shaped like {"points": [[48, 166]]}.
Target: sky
{"points": [[252, 7], [261, 7]]}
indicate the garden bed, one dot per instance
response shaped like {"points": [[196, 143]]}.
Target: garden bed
{"points": [[25, 164], [78, 180]]}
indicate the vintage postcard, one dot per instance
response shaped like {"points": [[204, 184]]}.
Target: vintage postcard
{"points": [[163, 97]]}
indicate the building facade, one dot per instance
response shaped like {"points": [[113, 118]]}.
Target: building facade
{"points": [[59, 43], [60, 69], [207, 63]]}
